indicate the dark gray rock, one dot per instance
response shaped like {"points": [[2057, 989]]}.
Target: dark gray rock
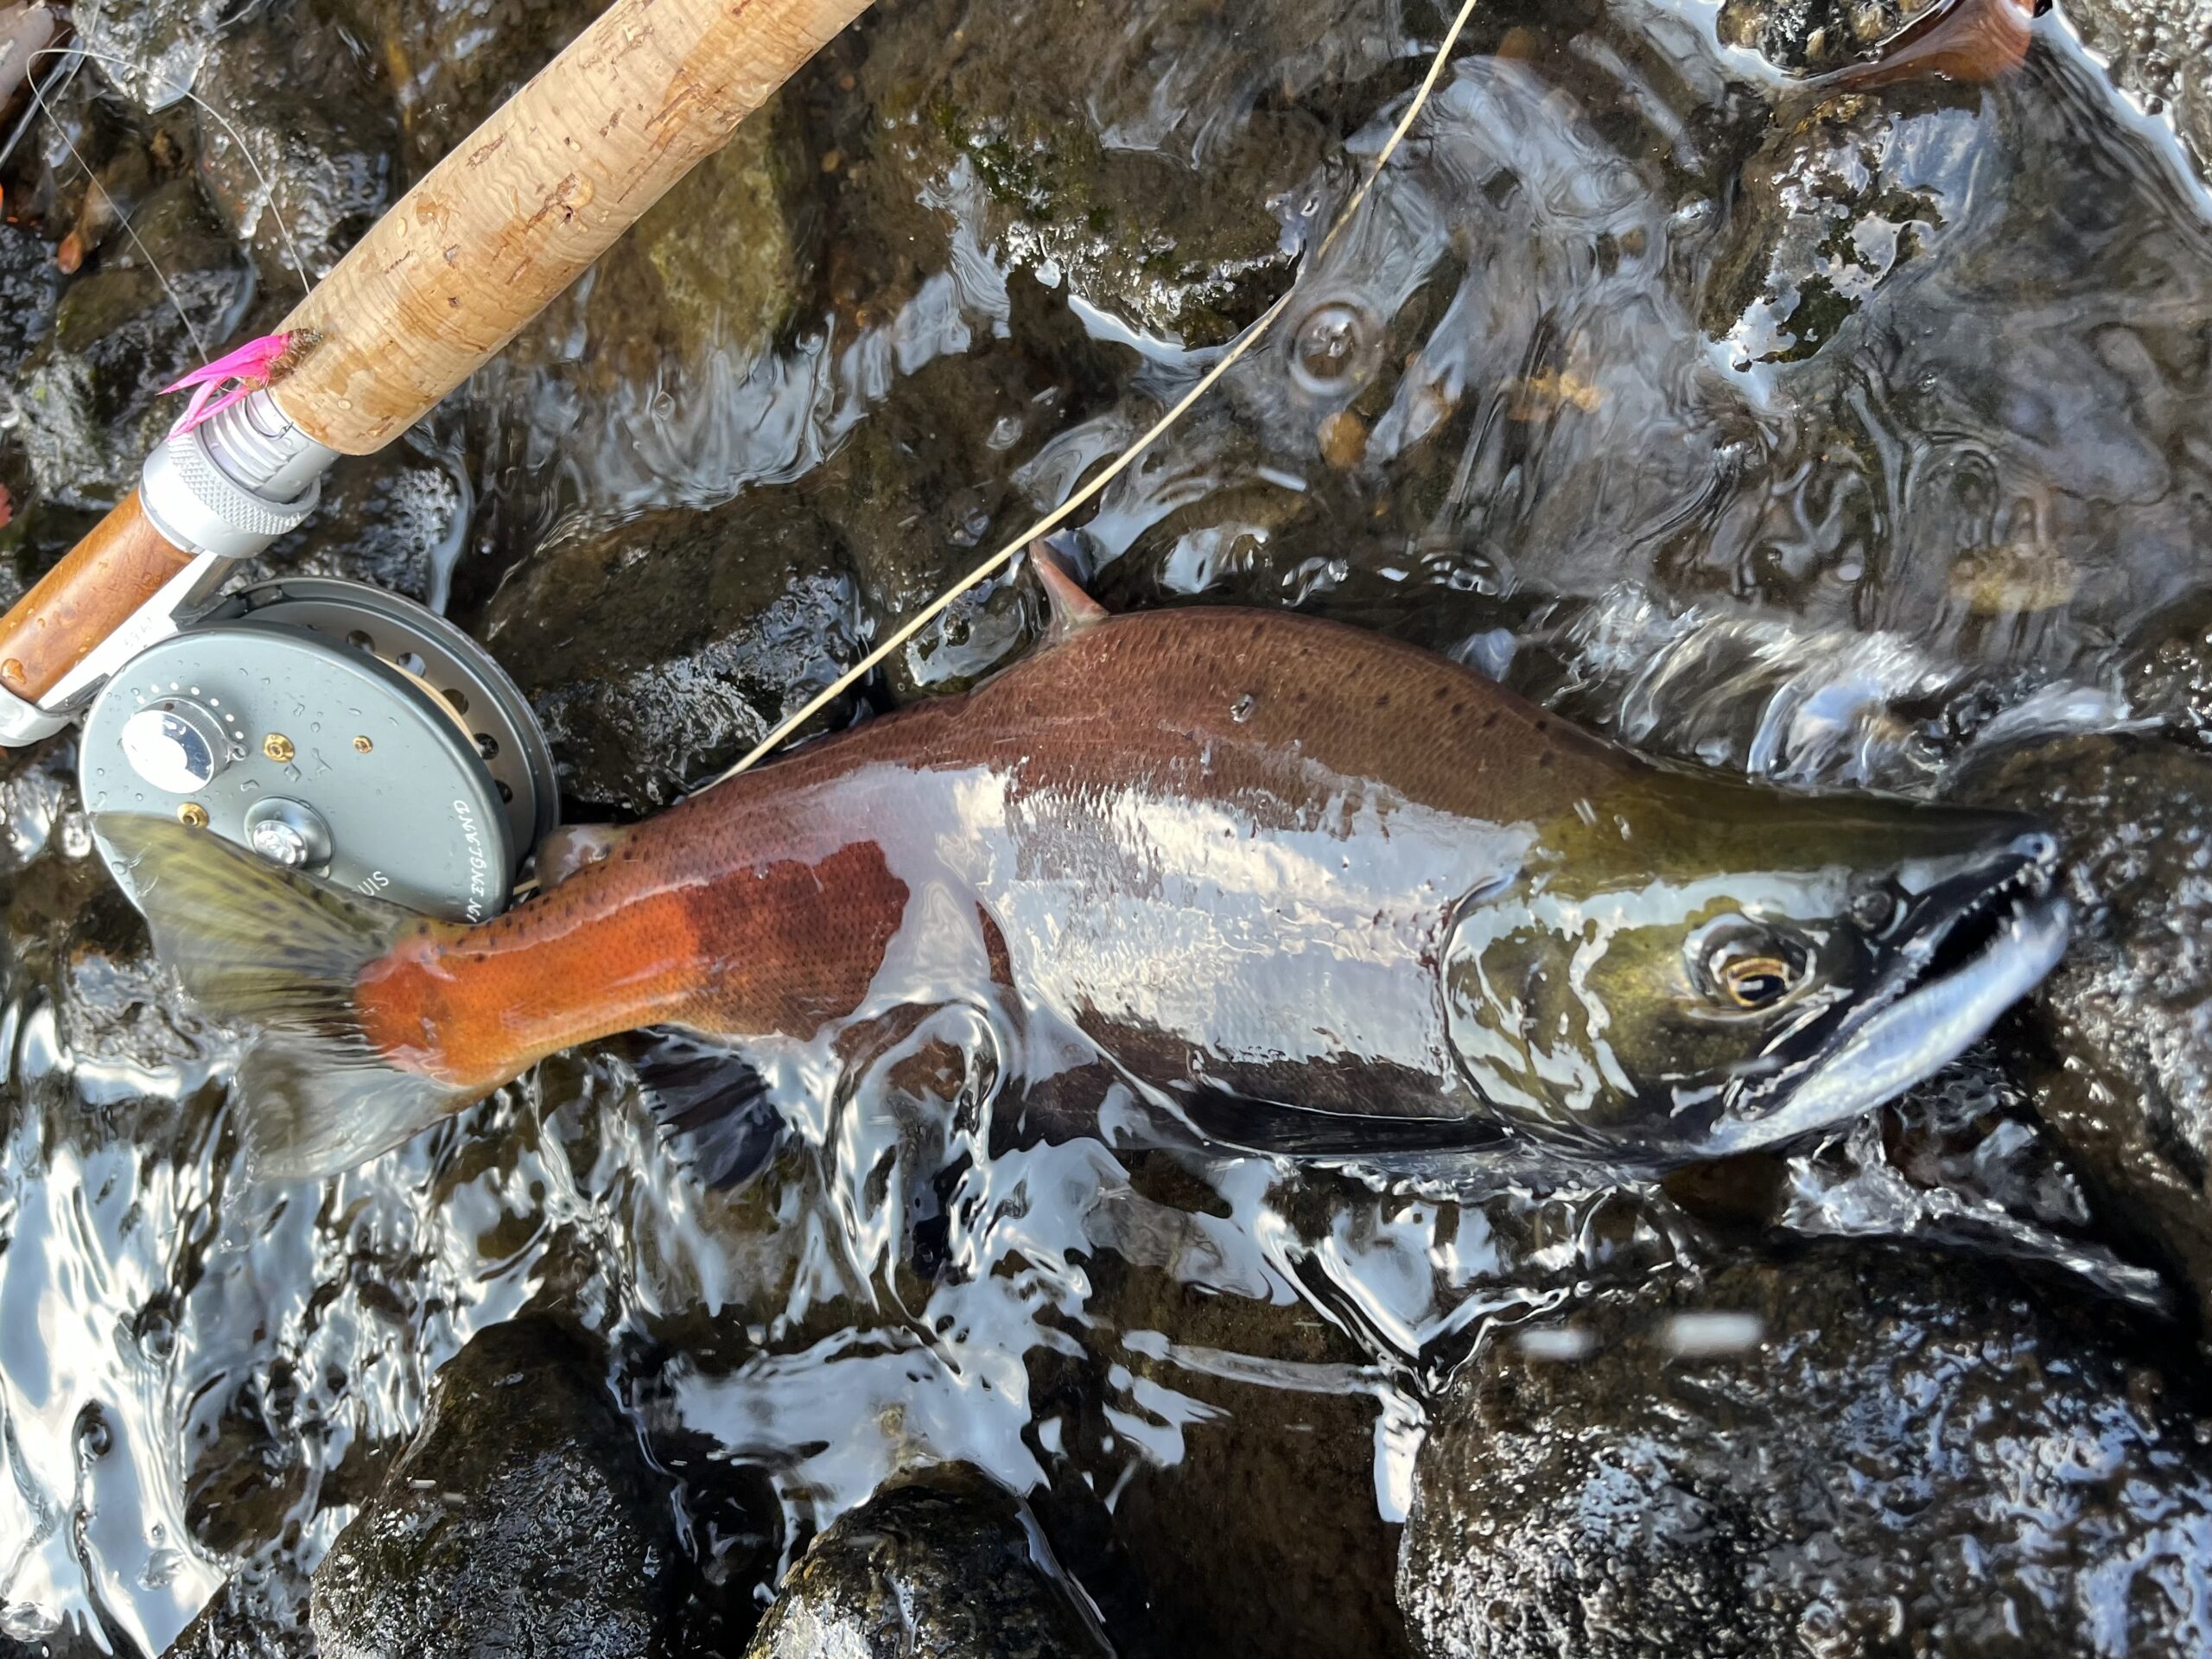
{"points": [[657, 651], [1854, 1451], [30, 287], [80, 939], [2122, 1071], [88, 397], [522, 1520], [299, 150], [942, 1567], [394, 518]]}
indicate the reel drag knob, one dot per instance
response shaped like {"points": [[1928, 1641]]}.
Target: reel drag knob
{"points": [[177, 745]]}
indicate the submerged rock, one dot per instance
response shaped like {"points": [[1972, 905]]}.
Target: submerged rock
{"points": [[945, 1566], [452, 62], [1145, 183], [2123, 1076], [2155, 53], [522, 1520], [1248, 1509], [921, 493], [1833, 205], [1804, 37], [657, 651], [1852, 1451]]}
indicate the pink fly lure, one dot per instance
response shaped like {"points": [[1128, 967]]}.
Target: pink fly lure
{"points": [[249, 368]]}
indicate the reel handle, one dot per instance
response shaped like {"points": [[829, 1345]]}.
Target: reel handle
{"points": [[96, 588]]}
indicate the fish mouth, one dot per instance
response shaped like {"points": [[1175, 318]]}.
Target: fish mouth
{"points": [[1969, 947]]}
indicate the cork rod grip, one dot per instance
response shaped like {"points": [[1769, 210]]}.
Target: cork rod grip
{"points": [[99, 583], [519, 209]]}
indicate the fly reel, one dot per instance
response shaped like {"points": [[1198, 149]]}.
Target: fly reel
{"points": [[334, 728]]}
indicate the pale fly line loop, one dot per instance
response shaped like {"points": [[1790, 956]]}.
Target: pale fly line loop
{"points": [[1242, 344]]}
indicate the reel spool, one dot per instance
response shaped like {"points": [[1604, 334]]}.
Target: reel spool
{"points": [[334, 728]]}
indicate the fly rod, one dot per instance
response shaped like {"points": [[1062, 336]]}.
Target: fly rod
{"points": [[445, 279]]}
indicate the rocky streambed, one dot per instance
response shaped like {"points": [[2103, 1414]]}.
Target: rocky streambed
{"points": [[1850, 436]]}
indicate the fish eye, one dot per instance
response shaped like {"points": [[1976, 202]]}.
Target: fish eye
{"points": [[1748, 969]]}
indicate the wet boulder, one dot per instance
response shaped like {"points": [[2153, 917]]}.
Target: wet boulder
{"points": [[1853, 1450], [945, 1566], [522, 1519], [658, 650], [298, 143], [88, 398], [2122, 1066]]}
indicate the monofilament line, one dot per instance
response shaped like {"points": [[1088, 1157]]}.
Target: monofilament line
{"points": [[40, 106], [1242, 344]]}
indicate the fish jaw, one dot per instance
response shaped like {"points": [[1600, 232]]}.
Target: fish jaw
{"points": [[1929, 1019]]}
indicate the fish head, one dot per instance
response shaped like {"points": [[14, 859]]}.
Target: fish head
{"points": [[1689, 966]]}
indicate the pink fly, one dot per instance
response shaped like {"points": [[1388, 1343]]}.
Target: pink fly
{"points": [[248, 369]]}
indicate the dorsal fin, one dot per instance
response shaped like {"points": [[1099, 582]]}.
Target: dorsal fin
{"points": [[1073, 610]]}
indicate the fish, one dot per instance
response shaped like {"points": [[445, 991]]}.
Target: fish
{"points": [[1964, 41], [1243, 880]]}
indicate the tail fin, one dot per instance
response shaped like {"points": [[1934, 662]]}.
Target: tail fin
{"points": [[261, 947]]}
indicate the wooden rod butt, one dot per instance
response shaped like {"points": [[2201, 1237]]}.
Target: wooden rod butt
{"points": [[93, 591]]}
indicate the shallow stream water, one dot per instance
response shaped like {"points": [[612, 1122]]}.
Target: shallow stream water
{"points": [[1831, 441]]}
